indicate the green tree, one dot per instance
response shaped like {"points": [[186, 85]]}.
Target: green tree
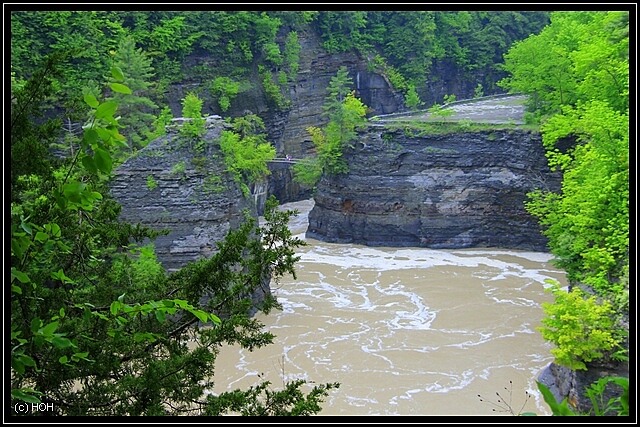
{"points": [[97, 326], [342, 31], [588, 223], [346, 114], [193, 128], [576, 74], [225, 90], [137, 110], [412, 100], [439, 112], [159, 124], [272, 90], [42, 33], [579, 326], [578, 57], [246, 150], [291, 55], [411, 37]]}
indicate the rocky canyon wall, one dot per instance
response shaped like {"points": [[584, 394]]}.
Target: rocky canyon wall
{"points": [[455, 190], [172, 185]]}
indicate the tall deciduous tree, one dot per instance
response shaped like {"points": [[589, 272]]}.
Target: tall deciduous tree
{"points": [[580, 56]]}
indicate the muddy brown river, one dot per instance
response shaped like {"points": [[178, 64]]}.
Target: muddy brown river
{"points": [[405, 331]]}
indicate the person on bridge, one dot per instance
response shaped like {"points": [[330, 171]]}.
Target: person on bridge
{"points": [[288, 158]]}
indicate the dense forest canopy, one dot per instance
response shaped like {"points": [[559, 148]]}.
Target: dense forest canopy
{"points": [[158, 49], [576, 73], [90, 303]]}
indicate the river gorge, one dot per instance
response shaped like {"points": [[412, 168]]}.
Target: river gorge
{"points": [[405, 331]]}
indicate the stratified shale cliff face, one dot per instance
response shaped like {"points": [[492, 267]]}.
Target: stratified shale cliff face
{"points": [[287, 129], [457, 190], [173, 185]]}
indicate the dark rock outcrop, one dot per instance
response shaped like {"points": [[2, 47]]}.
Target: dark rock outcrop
{"points": [[572, 385], [171, 185], [440, 191]]}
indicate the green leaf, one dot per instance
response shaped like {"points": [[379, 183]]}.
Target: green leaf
{"points": [[26, 360], [103, 160], [181, 303], [49, 329], [121, 297], [89, 164], [105, 134], [117, 73], [17, 289], [91, 137], [60, 200], [160, 315], [22, 277], [19, 246], [215, 319], [61, 342], [63, 360], [72, 190], [41, 236], [106, 110], [115, 307], [120, 88], [26, 227], [55, 230], [91, 100], [203, 316], [23, 394], [36, 323], [61, 312], [144, 336]]}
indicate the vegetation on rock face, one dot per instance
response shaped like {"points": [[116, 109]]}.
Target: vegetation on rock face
{"points": [[409, 46], [346, 113], [246, 150], [193, 128], [576, 72]]}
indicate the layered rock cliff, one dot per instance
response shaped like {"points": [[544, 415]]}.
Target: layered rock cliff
{"points": [[171, 185], [287, 129], [440, 191]]}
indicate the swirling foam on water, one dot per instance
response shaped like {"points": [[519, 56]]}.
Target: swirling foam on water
{"points": [[405, 331]]}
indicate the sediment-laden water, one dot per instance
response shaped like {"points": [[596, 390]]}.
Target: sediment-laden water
{"points": [[405, 331]]}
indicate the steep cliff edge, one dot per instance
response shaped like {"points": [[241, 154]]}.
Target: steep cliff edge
{"points": [[171, 185], [457, 190]]}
